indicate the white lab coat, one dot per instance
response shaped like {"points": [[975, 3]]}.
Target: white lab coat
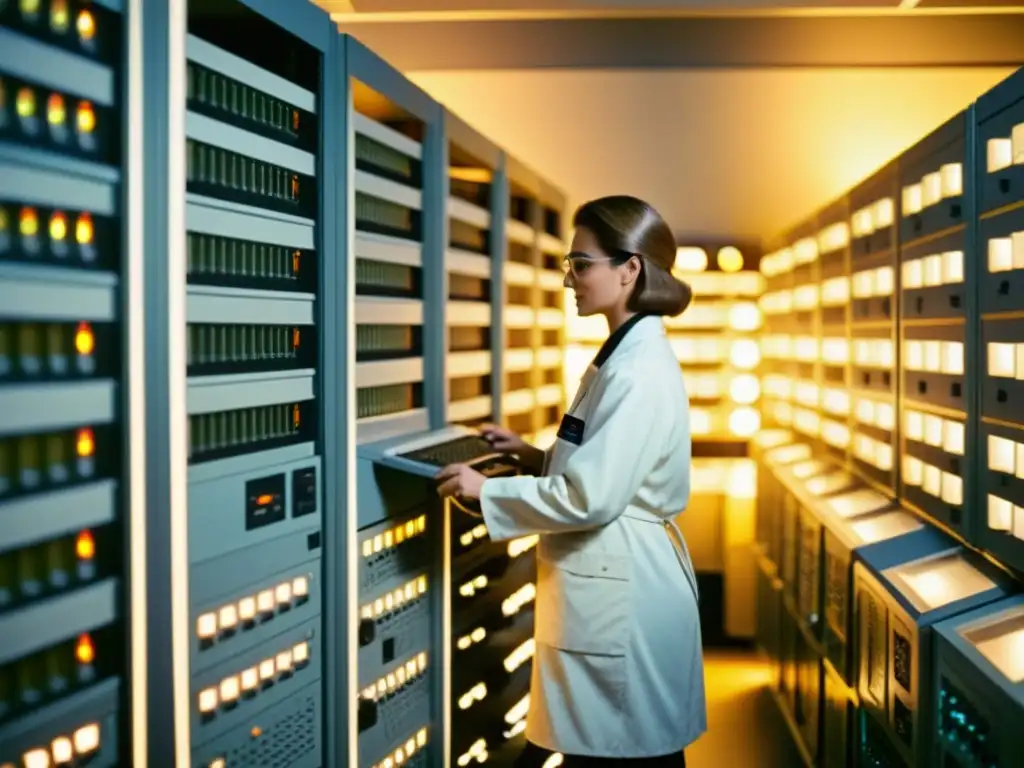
{"points": [[618, 670]]}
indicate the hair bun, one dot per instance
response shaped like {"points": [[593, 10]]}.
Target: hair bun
{"points": [[659, 293]]}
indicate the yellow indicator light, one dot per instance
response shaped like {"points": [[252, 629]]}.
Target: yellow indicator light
{"points": [[28, 222], [29, 7], [84, 229], [730, 259], [26, 103], [86, 117], [60, 17], [58, 226], [85, 341], [85, 652], [86, 25], [85, 546], [56, 114]]}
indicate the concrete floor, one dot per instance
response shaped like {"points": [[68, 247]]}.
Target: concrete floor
{"points": [[745, 728]]}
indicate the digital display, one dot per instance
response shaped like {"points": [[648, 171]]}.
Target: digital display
{"points": [[265, 502]]}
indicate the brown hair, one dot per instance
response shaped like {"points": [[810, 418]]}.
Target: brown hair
{"points": [[626, 226]]}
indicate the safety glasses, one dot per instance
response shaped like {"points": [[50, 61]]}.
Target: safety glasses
{"points": [[577, 264]]}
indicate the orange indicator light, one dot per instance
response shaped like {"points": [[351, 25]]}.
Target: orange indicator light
{"points": [[28, 222], [56, 114], [83, 229], [296, 417], [86, 119], [256, 732], [85, 546], [85, 445], [26, 103], [58, 226], [59, 16], [86, 25], [295, 338], [295, 262], [264, 499], [85, 652]]}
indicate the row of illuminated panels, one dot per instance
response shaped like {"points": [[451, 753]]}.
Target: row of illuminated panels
{"points": [[713, 342]]}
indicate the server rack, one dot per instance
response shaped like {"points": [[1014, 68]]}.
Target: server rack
{"points": [[256, 197], [518, 316], [873, 338], [1000, 246], [936, 258], [472, 253], [979, 702], [897, 606], [776, 303], [549, 299], [69, 345], [393, 224], [832, 293]]}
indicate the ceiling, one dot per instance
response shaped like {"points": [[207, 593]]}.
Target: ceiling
{"points": [[735, 118]]}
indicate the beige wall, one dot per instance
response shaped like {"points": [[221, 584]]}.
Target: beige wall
{"points": [[739, 153]]}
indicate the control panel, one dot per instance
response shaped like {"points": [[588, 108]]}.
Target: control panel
{"points": [[64, 433], [254, 479]]}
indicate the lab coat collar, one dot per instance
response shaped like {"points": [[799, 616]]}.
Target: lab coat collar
{"points": [[625, 336]]}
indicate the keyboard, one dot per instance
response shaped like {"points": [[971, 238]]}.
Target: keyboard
{"points": [[461, 450]]}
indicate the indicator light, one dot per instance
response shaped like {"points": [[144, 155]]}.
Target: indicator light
{"points": [[266, 669], [85, 118], [85, 652], [60, 18], [295, 338], [208, 700], [295, 120], [256, 732], [85, 341], [26, 103], [264, 499], [62, 750], [84, 229], [58, 227], [85, 445], [87, 738], [86, 25], [29, 8], [295, 187], [37, 758], [250, 679], [85, 546], [206, 626], [56, 113], [296, 417], [28, 222], [247, 609], [295, 254], [4, 220]]}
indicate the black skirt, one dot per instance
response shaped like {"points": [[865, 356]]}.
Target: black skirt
{"points": [[535, 757]]}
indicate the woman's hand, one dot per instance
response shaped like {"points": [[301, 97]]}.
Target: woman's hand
{"points": [[503, 440], [459, 480]]}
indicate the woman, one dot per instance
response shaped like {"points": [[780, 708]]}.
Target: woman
{"points": [[618, 674]]}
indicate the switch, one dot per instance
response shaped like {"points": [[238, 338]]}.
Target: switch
{"points": [[304, 492]]}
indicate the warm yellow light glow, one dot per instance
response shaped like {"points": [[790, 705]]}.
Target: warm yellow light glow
{"points": [[745, 389], [744, 422], [691, 259], [744, 316], [730, 259]]}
